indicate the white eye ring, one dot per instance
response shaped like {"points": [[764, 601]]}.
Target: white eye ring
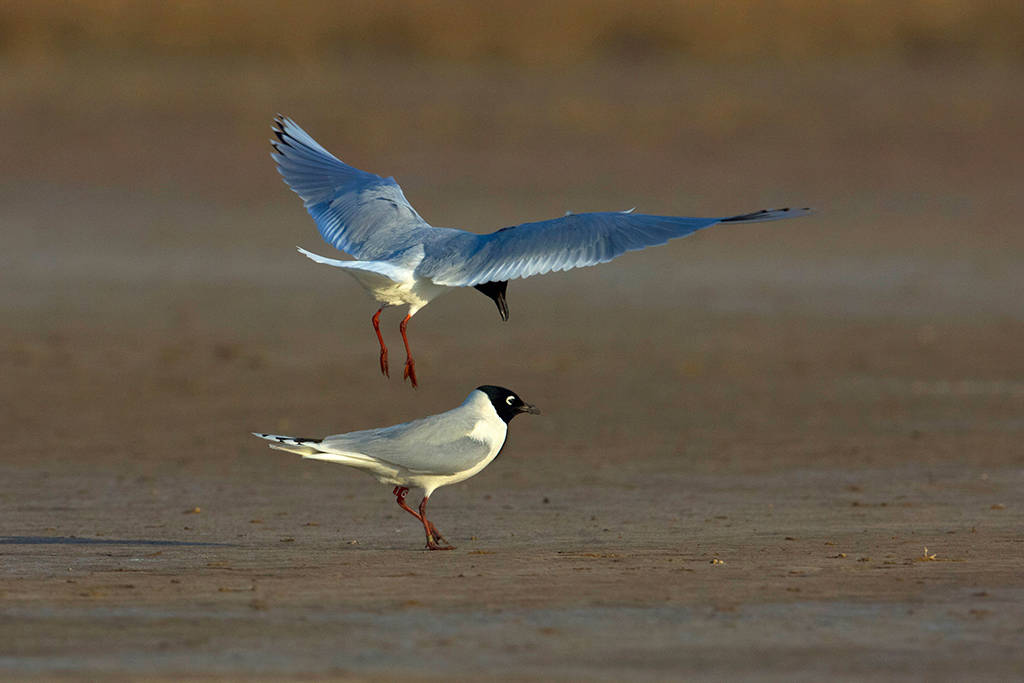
{"points": [[510, 399]]}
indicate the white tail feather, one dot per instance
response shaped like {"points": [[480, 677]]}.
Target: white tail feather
{"points": [[290, 444]]}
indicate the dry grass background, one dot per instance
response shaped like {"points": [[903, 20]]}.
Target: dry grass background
{"points": [[540, 34]]}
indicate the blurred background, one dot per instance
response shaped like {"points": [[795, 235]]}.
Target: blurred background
{"points": [[155, 311]]}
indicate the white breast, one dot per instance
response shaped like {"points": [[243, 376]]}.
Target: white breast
{"points": [[490, 430]]}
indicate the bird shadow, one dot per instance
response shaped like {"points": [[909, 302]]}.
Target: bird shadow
{"points": [[74, 540]]}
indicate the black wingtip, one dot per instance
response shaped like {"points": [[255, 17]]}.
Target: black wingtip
{"points": [[278, 128], [767, 215], [748, 216]]}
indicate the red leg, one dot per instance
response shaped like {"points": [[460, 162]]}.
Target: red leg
{"points": [[410, 366], [380, 338], [433, 534], [400, 493]]}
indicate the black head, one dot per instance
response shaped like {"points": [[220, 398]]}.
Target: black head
{"points": [[496, 290], [506, 403]]}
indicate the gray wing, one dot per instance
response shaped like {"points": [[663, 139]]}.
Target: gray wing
{"points": [[436, 445], [573, 241], [357, 212]]}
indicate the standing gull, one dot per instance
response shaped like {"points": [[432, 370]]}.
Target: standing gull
{"points": [[428, 453], [401, 260]]}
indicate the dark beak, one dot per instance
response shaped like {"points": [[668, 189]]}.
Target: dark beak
{"points": [[531, 409], [502, 306]]}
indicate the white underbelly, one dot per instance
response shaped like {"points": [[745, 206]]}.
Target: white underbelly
{"points": [[415, 293], [394, 294]]}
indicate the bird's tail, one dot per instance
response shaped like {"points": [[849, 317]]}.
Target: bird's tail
{"points": [[370, 274], [303, 447]]}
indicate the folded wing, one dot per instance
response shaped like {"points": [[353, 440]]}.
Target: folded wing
{"points": [[428, 445]]}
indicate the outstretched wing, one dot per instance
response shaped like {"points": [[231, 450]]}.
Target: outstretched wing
{"points": [[573, 241], [357, 212]]}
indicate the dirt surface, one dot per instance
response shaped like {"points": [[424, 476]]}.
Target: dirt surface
{"points": [[782, 452]]}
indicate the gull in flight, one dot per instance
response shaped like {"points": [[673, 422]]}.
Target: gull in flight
{"points": [[401, 260], [428, 453]]}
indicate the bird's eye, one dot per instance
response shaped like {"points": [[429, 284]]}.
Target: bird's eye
{"points": [[510, 399]]}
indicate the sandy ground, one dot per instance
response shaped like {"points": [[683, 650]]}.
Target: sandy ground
{"points": [[812, 405]]}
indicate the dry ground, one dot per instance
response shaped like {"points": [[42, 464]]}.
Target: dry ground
{"points": [[812, 404]]}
